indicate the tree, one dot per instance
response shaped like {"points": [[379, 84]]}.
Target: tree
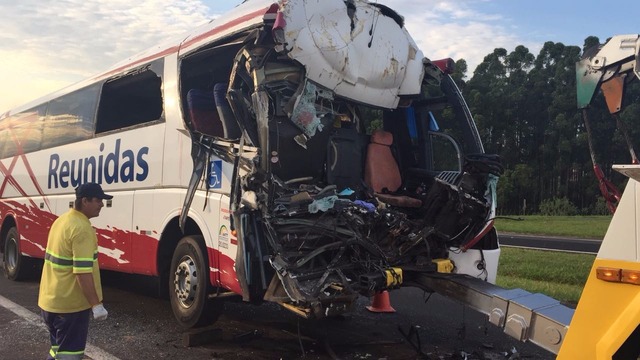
{"points": [[526, 111], [459, 73]]}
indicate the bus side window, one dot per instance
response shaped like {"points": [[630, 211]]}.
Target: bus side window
{"points": [[22, 133], [132, 99], [71, 117]]}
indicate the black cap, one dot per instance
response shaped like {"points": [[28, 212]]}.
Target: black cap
{"points": [[91, 190]]}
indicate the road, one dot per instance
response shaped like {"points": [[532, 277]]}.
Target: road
{"points": [[590, 246], [142, 327]]}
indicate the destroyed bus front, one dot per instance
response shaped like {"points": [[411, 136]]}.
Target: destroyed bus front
{"points": [[358, 164]]}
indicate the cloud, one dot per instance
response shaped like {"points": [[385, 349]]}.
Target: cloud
{"points": [[45, 46], [48, 45], [458, 30]]}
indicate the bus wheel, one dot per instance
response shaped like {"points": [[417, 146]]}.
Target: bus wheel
{"points": [[16, 266], [189, 284]]}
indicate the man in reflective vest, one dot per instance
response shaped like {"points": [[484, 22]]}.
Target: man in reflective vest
{"points": [[70, 288]]}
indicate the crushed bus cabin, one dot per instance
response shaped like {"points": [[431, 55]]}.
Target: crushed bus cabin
{"points": [[298, 152]]}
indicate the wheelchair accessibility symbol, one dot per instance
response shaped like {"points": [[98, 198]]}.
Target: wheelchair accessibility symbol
{"points": [[215, 174]]}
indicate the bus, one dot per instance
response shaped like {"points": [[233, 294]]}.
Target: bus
{"points": [[297, 152]]}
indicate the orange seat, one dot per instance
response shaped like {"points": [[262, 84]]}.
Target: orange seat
{"points": [[382, 173]]}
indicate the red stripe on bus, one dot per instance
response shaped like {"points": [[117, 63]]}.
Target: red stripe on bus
{"points": [[7, 173], [34, 180], [20, 153], [226, 275], [226, 26], [142, 60], [13, 182]]}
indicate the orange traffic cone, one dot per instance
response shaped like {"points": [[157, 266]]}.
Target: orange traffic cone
{"points": [[381, 303]]}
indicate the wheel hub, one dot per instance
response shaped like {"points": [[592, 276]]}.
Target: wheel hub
{"points": [[11, 255], [186, 281]]}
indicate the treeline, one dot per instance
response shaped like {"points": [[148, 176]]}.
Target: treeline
{"points": [[525, 109]]}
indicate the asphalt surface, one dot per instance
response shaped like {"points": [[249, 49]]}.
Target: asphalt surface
{"points": [[141, 327], [589, 246]]}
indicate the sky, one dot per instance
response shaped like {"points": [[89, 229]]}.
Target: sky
{"points": [[46, 45]]}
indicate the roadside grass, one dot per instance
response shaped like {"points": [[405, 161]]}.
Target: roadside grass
{"points": [[593, 227], [559, 275]]}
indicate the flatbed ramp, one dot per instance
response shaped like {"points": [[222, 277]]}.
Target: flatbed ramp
{"points": [[526, 316]]}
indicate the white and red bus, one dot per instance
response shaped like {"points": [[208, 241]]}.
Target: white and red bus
{"points": [[304, 153]]}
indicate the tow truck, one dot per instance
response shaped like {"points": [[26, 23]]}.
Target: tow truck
{"points": [[606, 321]]}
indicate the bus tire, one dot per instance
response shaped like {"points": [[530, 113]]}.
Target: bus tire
{"points": [[16, 266], [189, 284]]}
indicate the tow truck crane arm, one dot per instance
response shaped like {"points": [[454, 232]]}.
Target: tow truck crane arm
{"points": [[608, 67]]}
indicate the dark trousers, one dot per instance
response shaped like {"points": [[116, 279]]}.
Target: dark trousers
{"points": [[68, 334]]}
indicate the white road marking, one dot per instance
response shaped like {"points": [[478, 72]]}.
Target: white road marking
{"points": [[91, 351]]}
